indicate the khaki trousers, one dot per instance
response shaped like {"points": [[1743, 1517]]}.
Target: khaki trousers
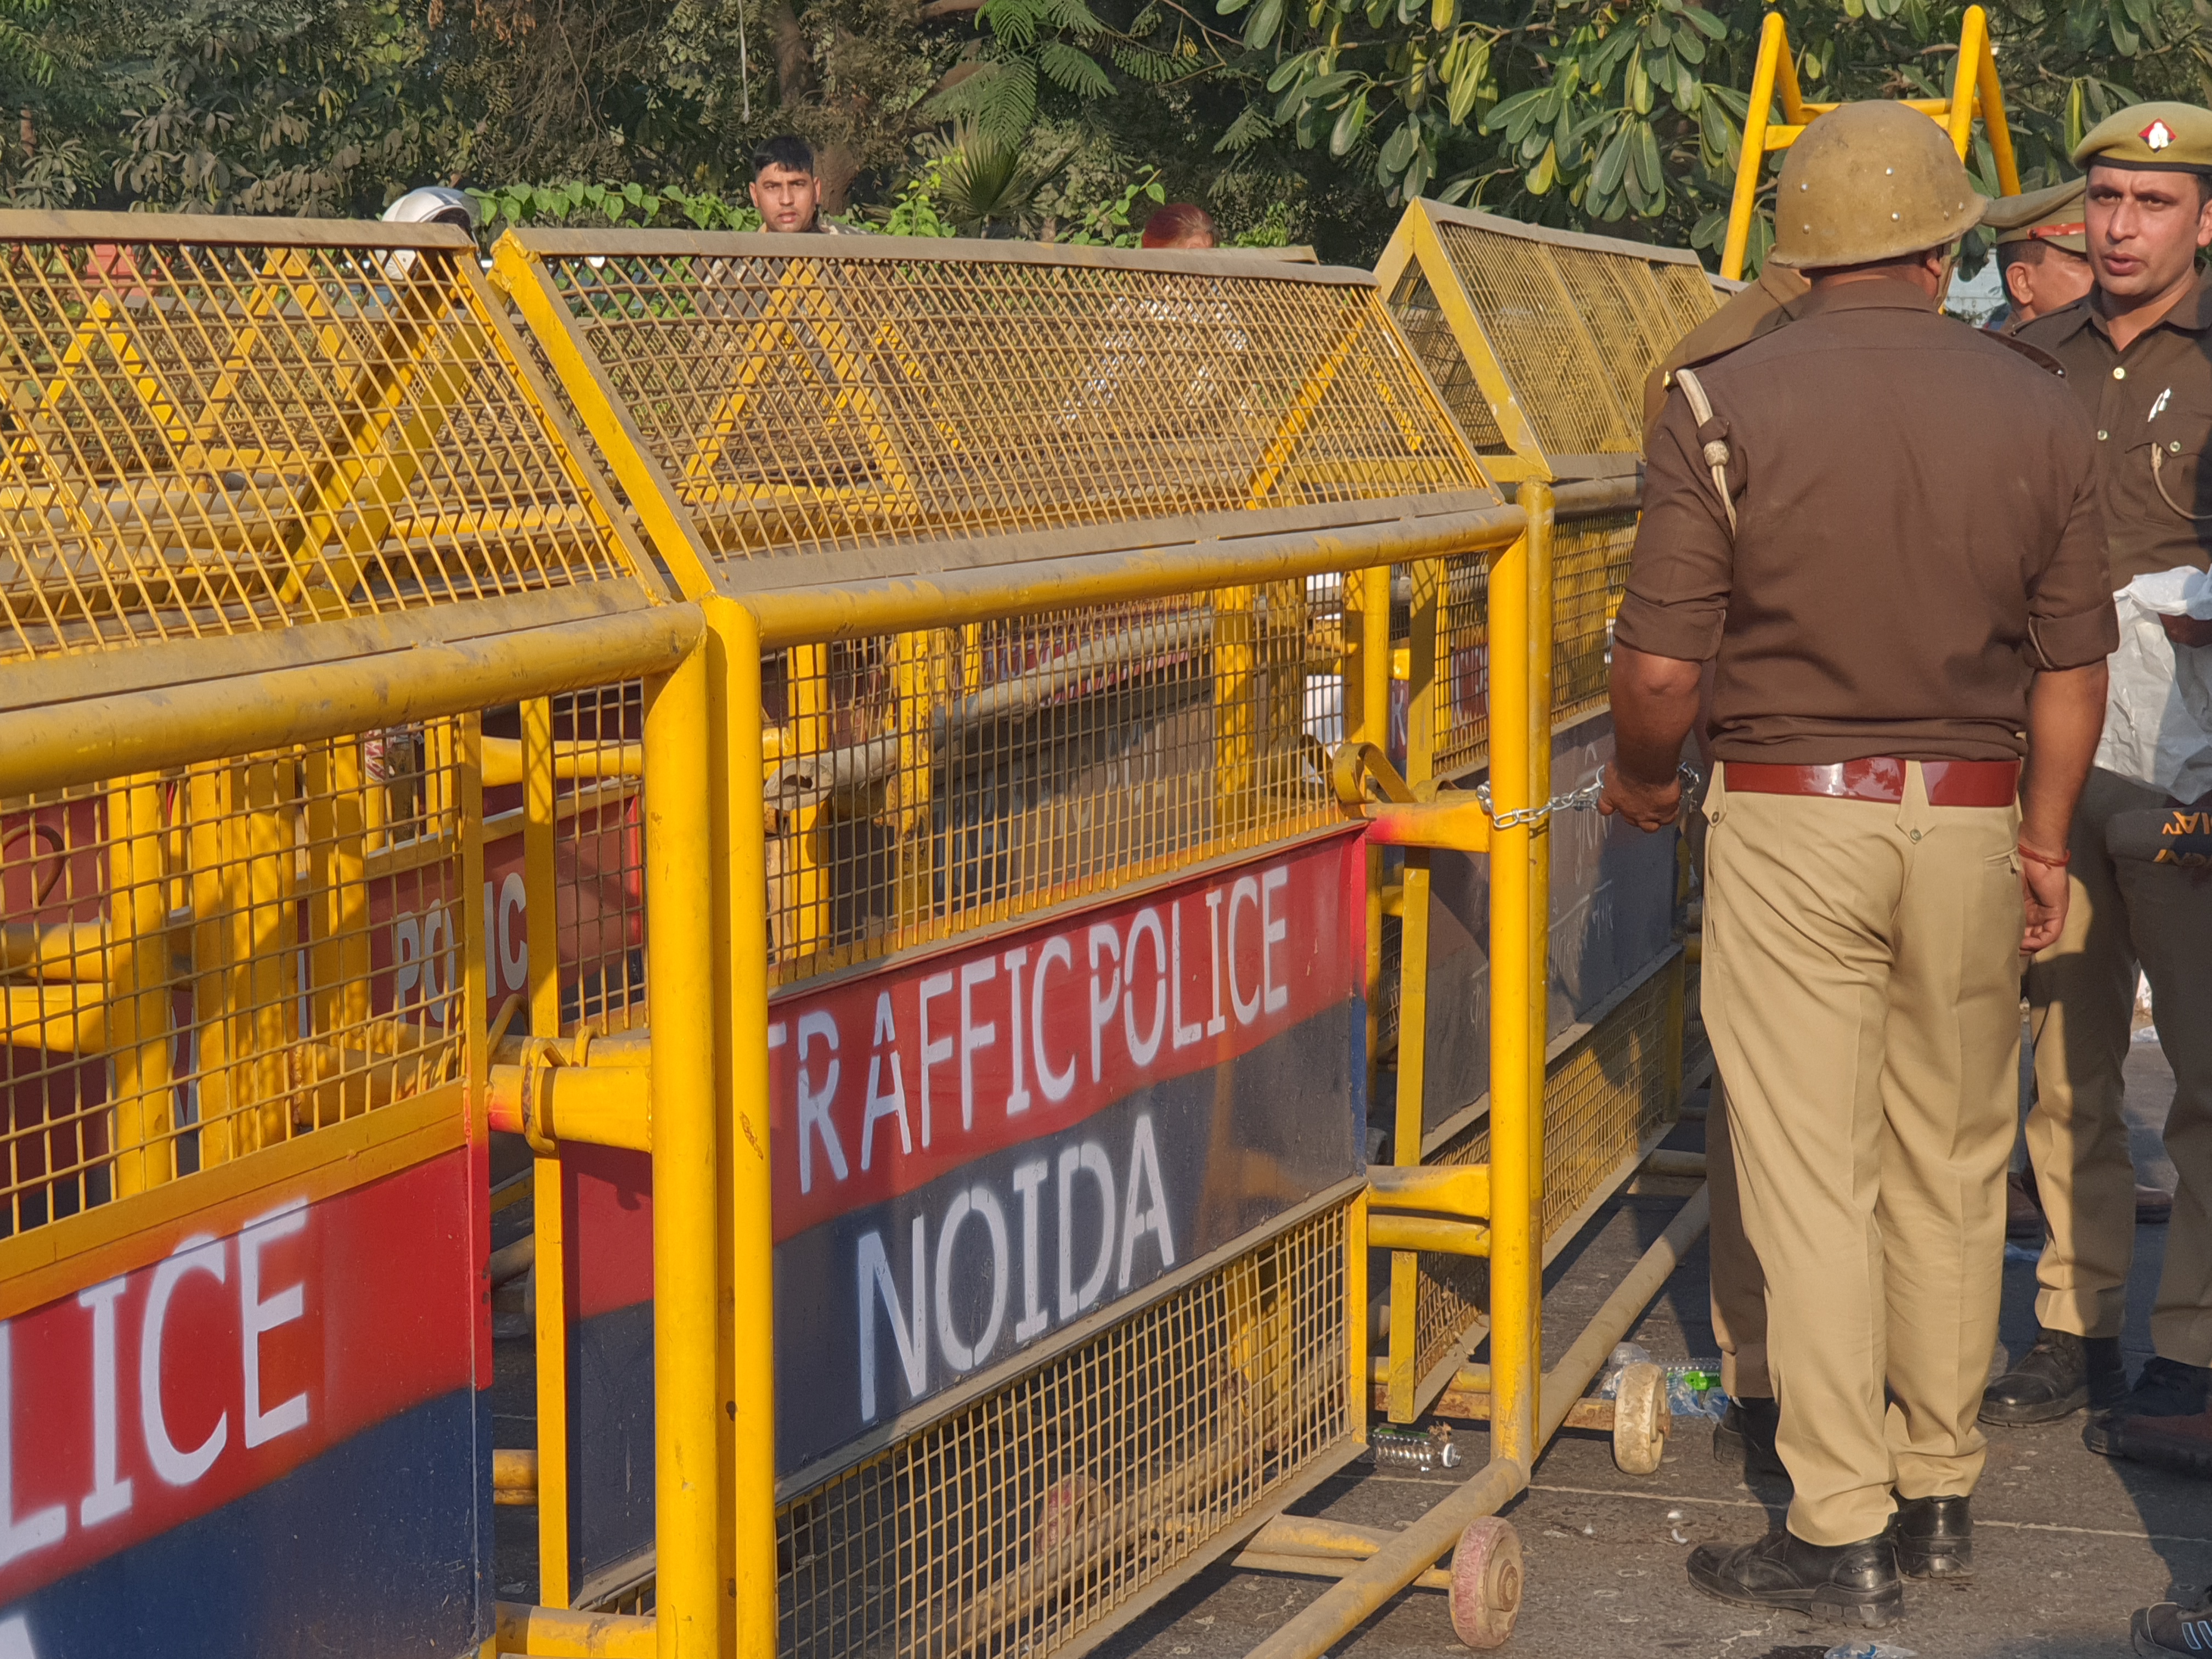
{"points": [[2124, 913], [1862, 987], [1739, 1287]]}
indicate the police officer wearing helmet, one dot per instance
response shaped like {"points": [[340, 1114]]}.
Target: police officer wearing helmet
{"points": [[2138, 357], [1881, 525]]}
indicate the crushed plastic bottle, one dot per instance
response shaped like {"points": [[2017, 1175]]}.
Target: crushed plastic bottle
{"points": [[1869, 1650], [1394, 1449], [1625, 1355], [1693, 1388]]}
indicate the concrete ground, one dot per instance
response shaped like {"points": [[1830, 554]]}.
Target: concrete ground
{"points": [[2067, 1542]]}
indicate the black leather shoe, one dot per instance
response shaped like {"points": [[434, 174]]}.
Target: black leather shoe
{"points": [[2169, 1627], [2166, 1388], [2061, 1374], [1840, 1584], [1935, 1539], [1745, 1438]]}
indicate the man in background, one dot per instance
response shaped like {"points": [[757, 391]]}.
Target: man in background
{"points": [[785, 190], [1180, 225], [2042, 255]]}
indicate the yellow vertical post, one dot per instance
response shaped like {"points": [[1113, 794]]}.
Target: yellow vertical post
{"points": [[1773, 41], [915, 660], [1973, 46], [749, 1335], [1995, 123], [1540, 504], [138, 981], [1358, 1390], [541, 924], [266, 927], [1413, 986], [1235, 725], [679, 978], [207, 790], [807, 910], [1513, 1252]]}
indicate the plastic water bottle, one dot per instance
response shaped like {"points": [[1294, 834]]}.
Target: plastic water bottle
{"points": [[1869, 1650], [1395, 1448]]}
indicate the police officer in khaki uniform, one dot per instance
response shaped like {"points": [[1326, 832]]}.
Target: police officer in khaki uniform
{"points": [[1882, 524], [2138, 357], [1757, 308], [2041, 254]]}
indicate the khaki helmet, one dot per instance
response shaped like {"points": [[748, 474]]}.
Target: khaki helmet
{"points": [[1870, 181]]}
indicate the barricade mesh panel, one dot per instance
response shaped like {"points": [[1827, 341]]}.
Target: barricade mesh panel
{"points": [[1574, 328], [935, 782], [843, 399], [1589, 576], [1422, 321], [202, 963], [599, 857], [1462, 738], [1020, 1522], [226, 437], [1603, 1098]]}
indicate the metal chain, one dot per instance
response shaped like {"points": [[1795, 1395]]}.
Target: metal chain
{"points": [[1580, 800]]}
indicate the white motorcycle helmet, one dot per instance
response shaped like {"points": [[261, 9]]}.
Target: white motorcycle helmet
{"points": [[433, 204]]}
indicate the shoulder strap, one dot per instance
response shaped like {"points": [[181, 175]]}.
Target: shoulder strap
{"points": [[1715, 451]]}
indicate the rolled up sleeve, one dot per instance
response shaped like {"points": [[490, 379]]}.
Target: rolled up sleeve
{"points": [[1682, 572], [2072, 621]]}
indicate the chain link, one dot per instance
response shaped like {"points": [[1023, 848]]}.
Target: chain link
{"points": [[1580, 800]]}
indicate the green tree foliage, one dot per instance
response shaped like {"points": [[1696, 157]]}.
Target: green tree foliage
{"points": [[1626, 115]]}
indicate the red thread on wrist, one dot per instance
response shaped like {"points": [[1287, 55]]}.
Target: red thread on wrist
{"points": [[2044, 858]]}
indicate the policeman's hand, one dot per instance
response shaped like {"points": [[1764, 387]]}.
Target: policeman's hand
{"points": [[1649, 806], [2044, 890], [2187, 630]]}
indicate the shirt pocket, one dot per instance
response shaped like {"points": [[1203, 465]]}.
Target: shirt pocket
{"points": [[2166, 466]]}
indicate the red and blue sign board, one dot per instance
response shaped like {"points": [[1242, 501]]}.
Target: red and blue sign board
{"points": [[269, 1436], [976, 1148]]}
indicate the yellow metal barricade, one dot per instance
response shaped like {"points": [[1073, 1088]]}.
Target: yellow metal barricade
{"points": [[284, 509], [1974, 91], [1027, 570]]}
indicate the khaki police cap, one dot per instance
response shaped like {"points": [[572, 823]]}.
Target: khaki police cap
{"points": [[2150, 138], [1870, 181], [2052, 215]]}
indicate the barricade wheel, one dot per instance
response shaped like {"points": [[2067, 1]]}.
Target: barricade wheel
{"points": [[1641, 1421], [1486, 1583]]}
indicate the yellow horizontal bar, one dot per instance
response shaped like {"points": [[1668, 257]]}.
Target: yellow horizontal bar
{"points": [[56, 1018], [598, 1105], [1453, 826], [1254, 1559], [1471, 1378], [514, 1478], [1452, 1189], [502, 761], [60, 949], [559, 1633], [809, 616], [1419, 1232], [98, 737]]}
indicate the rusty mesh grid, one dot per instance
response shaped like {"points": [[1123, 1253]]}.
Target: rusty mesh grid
{"points": [[1589, 576], [598, 856], [1461, 738], [1575, 329], [217, 440], [1026, 1518], [1422, 321], [1603, 1098], [930, 783], [799, 405], [202, 963]]}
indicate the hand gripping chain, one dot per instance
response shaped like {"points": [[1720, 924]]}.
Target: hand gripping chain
{"points": [[1580, 800]]}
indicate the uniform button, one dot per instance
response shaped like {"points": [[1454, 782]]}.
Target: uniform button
{"points": [[2102, 436], [2119, 374], [1915, 834], [2173, 449]]}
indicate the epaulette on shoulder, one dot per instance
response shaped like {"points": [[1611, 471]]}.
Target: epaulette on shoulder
{"points": [[2034, 354]]}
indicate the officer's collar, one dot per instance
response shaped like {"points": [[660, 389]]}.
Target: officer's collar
{"points": [[2191, 315], [1870, 293]]}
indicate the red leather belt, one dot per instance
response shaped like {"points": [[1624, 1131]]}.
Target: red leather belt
{"points": [[1880, 778]]}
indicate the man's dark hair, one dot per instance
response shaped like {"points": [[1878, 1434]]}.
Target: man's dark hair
{"points": [[2028, 250], [787, 150]]}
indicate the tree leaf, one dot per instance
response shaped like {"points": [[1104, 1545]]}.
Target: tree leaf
{"points": [[1260, 30], [1398, 148], [1349, 125], [1611, 162], [1075, 70], [1466, 81]]}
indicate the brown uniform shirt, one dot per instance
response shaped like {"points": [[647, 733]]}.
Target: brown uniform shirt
{"points": [[1917, 533], [1757, 309], [2156, 395]]}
